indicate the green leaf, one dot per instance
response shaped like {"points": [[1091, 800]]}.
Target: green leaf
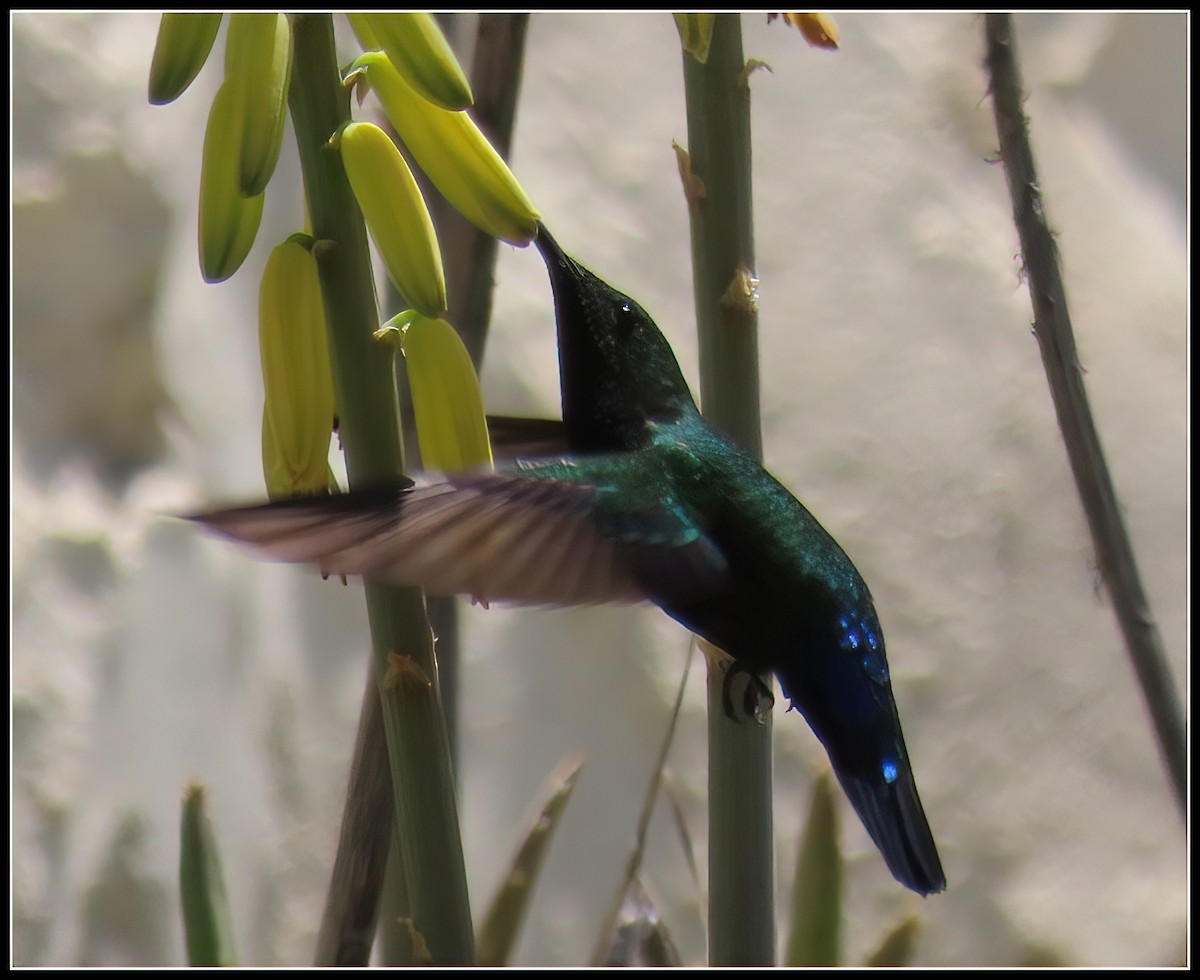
{"points": [[815, 938], [630, 888], [685, 835], [639, 936], [207, 926], [896, 948], [502, 924]]}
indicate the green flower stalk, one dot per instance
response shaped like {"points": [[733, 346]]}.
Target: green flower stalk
{"points": [[453, 153], [416, 46], [240, 150], [228, 221], [258, 66], [298, 405], [741, 846], [183, 46], [425, 814], [396, 216]]}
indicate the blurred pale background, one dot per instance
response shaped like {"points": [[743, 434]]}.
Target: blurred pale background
{"points": [[903, 398]]}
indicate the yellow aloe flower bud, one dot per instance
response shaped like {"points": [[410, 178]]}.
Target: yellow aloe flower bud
{"points": [[298, 404], [280, 481], [695, 33], [362, 30], [416, 46], [447, 404], [228, 221], [454, 154], [183, 45], [258, 66], [819, 29], [276, 473], [396, 216]]}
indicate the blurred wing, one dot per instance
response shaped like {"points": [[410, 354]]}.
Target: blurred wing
{"points": [[549, 536], [308, 528]]}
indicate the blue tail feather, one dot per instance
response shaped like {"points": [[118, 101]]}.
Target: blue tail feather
{"points": [[892, 813]]}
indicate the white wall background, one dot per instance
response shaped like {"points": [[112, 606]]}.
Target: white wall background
{"points": [[904, 402]]}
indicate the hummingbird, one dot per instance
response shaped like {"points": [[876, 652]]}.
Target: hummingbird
{"points": [[649, 503]]}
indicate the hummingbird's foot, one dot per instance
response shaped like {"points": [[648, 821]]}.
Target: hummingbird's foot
{"points": [[757, 699]]}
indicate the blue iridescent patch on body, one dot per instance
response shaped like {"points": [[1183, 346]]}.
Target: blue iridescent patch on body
{"points": [[860, 635], [890, 770]]}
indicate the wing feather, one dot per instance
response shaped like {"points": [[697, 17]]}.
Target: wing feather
{"points": [[535, 537]]}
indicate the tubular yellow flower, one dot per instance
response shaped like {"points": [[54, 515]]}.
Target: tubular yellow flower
{"points": [[454, 154], [362, 31], [183, 45], [447, 404], [276, 473], [258, 65], [416, 46], [819, 29], [228, 221], [298, 405], [396, 216]]}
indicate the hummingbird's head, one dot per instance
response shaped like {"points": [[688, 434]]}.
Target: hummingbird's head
{"points": [[618, 373]]}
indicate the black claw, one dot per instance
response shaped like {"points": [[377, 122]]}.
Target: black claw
{"points": [[757, 692]]}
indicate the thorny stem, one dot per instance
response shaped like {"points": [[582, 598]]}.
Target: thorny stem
{"points": [[1052, 325], [426, 813], [741, 912]]}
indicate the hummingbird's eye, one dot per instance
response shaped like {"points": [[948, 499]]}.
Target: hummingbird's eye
{"points": [[626, 320]]}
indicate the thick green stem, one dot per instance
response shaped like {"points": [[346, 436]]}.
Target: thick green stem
{"points": [[351, 911], [418, 750], [741, 920], [718, 111]]}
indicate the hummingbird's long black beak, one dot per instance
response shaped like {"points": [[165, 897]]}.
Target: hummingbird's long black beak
{"points": [[554, 257]]}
